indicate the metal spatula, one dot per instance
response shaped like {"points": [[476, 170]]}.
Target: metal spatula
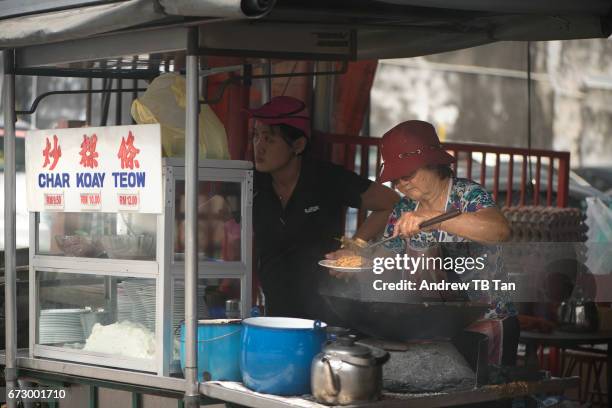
{"points": [[435, 220]]}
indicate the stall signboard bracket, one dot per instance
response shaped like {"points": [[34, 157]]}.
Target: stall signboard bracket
{"points": [[250, 188], [42, 96], [169, 193], [247, 77]]}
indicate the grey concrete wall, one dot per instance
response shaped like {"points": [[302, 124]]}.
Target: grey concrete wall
{"points": [[480, 95]]}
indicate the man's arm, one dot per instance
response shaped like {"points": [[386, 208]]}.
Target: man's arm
{"points": [[380, 200]]}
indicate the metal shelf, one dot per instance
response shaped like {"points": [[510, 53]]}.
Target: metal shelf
{"points": [[487, 393]]}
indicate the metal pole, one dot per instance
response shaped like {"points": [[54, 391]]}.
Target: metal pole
{"points": [[10, 284], [191, 221], [118, 103], [34, 119], [266, 89], [88, 104], [134, 84], [105, 103], [323, 97]]}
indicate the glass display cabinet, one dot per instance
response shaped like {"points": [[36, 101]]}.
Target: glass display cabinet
{"points": [[108, 288]]}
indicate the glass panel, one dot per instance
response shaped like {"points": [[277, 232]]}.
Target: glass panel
{"points": [[219, 224], [212, 297], [90, 312], [98, 235], [19, 154]]}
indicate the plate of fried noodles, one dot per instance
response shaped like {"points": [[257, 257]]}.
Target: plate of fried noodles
{"points": [[350, 263]]}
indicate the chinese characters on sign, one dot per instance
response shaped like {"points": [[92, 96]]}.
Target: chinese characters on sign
{"points": [[127, 152], [52, 154], [88, 151], [105, 169]]}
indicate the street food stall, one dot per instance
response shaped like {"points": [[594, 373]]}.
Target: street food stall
{"points": [[104, 255], [123, 266]]}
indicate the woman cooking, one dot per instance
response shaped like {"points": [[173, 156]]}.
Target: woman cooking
{"points": [[417, 166]]}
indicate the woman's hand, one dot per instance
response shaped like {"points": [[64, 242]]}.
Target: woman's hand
{"points": [[408, 224], [486, 225]]}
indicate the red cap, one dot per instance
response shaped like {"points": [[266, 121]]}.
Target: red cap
{"points": [[283, 110], [408, 147]]}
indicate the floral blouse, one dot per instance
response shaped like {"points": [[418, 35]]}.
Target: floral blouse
{"points": [[466, 196]]}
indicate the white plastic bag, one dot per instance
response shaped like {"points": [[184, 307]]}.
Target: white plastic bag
{"points": [[599, 236]]}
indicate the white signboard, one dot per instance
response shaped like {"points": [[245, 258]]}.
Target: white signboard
{"points": [[105, 169]]}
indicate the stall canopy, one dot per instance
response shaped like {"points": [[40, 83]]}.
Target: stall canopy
{"points": [[380, 29], [25, 24], [520, 6], [408, 28]]}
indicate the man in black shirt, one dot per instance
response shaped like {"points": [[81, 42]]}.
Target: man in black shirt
{"points": [[299, 206]]}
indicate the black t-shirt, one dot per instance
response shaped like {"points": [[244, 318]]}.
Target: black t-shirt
{"points": [[290, 241]]}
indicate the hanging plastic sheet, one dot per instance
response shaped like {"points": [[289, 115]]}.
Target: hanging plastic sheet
{"points": [[599, 241], [164, 103]]}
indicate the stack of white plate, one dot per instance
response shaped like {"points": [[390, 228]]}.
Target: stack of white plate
{"points": [[142, 294], [136, 302], [61, 326], [125, 306], [147, 299], [178, 314]]}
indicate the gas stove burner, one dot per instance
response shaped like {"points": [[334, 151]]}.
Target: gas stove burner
{"points": [[430, 366]]}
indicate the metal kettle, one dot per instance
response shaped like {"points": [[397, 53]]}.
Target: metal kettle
{"points": [[578, 315], [347, 373]]}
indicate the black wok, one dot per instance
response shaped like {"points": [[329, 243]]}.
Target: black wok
{"points": [[397, 315], [405, 321]]}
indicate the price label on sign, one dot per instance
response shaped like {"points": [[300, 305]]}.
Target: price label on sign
{"points": [[107, 169], [54, 201], [128, 201], [91, 200]]}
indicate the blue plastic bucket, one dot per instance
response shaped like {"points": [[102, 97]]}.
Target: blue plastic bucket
{"points": [[277, 353], [219, 345]]}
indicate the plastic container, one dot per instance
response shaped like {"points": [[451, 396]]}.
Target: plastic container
{"points": [[277, 353], [219, 346]]}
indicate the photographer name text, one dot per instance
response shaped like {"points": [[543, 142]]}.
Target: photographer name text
{"points": [[475, 284]]}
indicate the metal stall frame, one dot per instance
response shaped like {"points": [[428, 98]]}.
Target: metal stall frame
{"points": [[220, 171], [10, 193], [166, 269], [192, 148], [149, 269], [167, 39], [327, 42], [41, 60]]}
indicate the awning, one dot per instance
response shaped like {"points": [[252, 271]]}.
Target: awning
{"points": [[409, 28], [82, 22], [595, 7], [322, 29]]}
